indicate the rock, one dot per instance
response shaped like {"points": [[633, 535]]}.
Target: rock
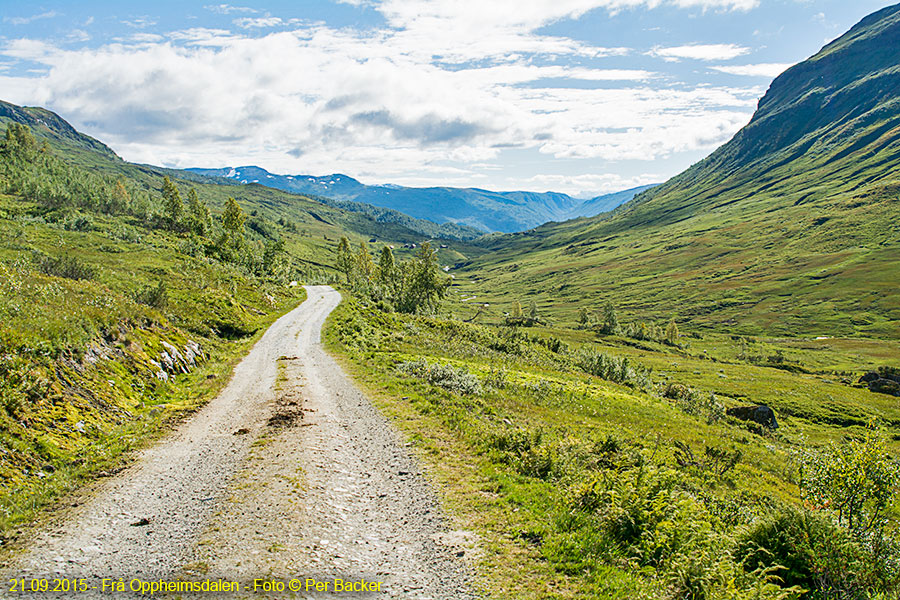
{"points": [[871, 376], [885, 386], [761, 414], [177, 359]]}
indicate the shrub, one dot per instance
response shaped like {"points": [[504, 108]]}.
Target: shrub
{"points": [[612, 368], [814, 554], [20, 384], [694, 403], [858, 481], [154, 296], [450, 378], [70, 267]]}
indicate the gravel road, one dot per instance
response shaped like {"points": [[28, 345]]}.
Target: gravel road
{"points": [[290, 473]]}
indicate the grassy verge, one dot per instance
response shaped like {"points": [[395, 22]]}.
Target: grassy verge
{"points": [[580, 487]]}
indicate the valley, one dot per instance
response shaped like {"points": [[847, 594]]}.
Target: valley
{"points": [[694, 394]]}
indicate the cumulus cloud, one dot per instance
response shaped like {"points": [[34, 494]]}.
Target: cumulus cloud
{"points": [[416, 96], [700, 52], [758, 70]]}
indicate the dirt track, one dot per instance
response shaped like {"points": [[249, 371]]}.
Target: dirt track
{"points": [[289, 473]]}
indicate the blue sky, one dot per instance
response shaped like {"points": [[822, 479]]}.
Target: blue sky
{"points": [[578, 96]]}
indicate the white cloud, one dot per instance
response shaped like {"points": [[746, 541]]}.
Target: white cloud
{"points": [[700, 52], [258, 22], [425, 98], [227, 9], [78, 35], [139, 22], [26, 20], [759, 70]]}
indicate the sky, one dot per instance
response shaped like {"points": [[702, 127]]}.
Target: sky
{"points": [[577, 96]]}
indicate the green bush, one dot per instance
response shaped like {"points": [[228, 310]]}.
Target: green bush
{"points": [[612, 368], [815, 554], [70, 267], [155, 296], [450, 378], [693, 403]]}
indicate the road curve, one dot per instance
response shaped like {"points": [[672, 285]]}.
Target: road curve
{"points": [[320, 487]]}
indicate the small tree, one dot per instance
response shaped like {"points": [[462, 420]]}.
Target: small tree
{"points": [[233, 219], [584, 318], [858, 481], [610, 324], [533, 311], [388, 275], [365, 266], [173, 207], [387, 266], [672, 333], [516, 311], [272, 256], [120, 199], [345, 258], [424, 286], [200, 219]]}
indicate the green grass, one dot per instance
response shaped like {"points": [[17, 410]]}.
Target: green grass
{"points": [[513, 460], [79, 386]]}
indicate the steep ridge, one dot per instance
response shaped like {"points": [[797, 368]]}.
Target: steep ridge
{"points": [[48, 125], [812, 128], [473, 207], [789, 227]]}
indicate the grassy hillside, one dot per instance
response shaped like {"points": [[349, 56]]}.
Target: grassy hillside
{"points": [[789, 228], [113, 317]]}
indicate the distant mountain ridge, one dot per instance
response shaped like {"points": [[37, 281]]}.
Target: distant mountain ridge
{"points": [[483, 209]]}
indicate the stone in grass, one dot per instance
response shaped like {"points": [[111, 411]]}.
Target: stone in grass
{"points": [[885, 386], [761, 414]]}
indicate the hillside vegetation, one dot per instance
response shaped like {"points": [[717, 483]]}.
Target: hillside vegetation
{"points": [[790, 228], [126, 296]]}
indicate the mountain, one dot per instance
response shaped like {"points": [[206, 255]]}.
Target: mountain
{"points": [[605, 203], [48, 125], [446, 231], [482, 209], [790, 227]]}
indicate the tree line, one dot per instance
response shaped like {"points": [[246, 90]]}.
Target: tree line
{"points": [[61, 191]]}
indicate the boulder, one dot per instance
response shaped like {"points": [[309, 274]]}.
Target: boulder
{"points": [[761, 414], [885, 386], [870, 376]]}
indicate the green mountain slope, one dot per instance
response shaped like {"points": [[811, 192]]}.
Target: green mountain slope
{"points": [[790, 227]]}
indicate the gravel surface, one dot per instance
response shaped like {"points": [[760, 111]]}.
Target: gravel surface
{"points": [[290, 473]]}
